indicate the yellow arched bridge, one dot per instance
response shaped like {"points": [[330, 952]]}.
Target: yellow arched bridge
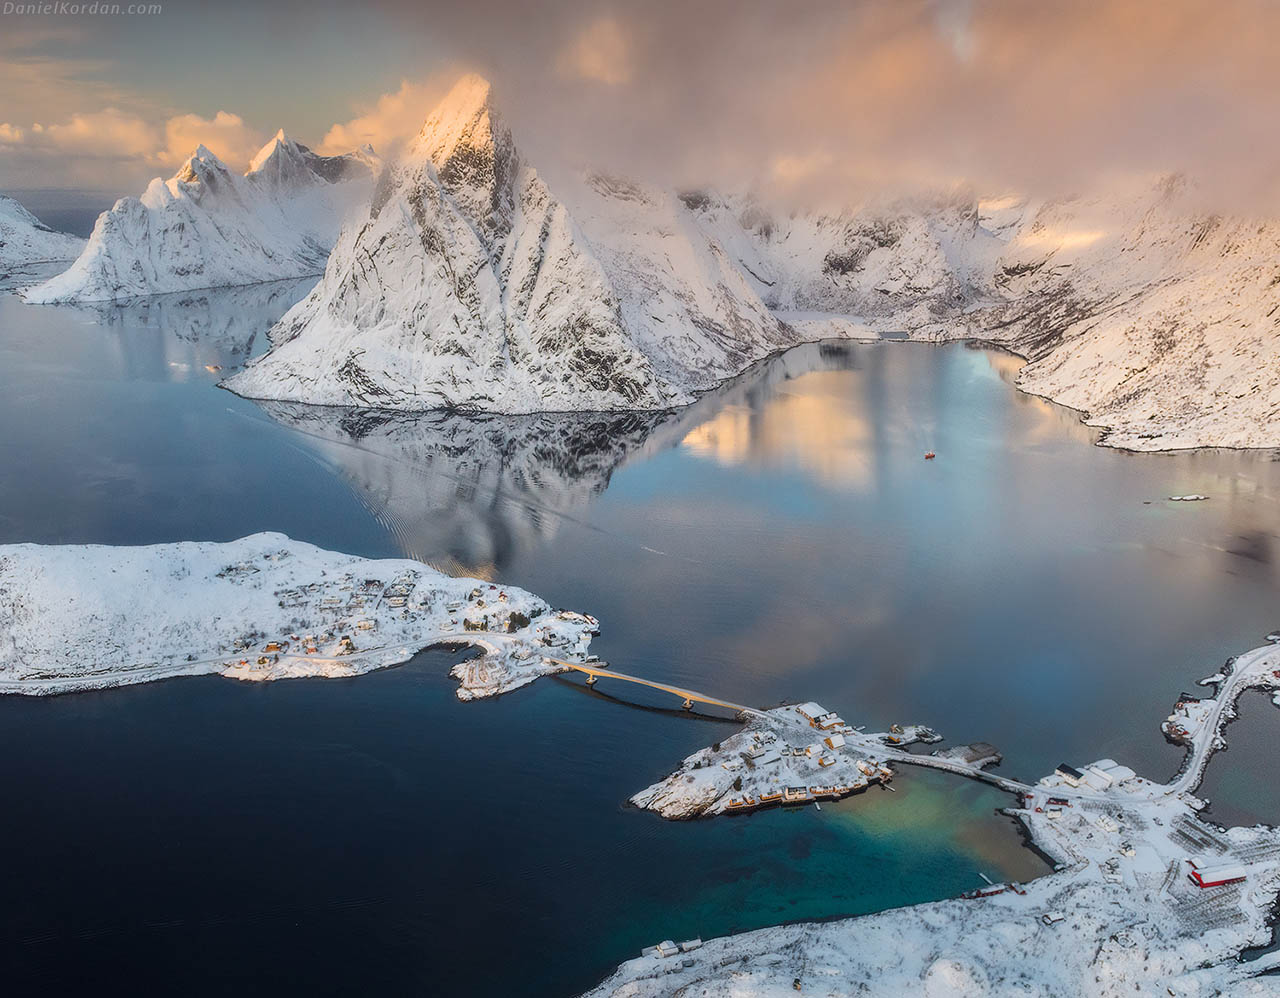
{"points": [[690, 697]]}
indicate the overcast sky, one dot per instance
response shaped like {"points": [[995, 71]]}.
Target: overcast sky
{"points": [[810, 98]]}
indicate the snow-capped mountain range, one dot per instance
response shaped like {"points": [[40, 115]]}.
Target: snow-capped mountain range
{"points": [[206, 227], [470, 284], [24, 239], [466, 282]]}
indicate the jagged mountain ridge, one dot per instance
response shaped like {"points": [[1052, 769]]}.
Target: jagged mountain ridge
{"points": [[470, 284], [206, 227], [24, 239], [910, 262], [284, 163]]}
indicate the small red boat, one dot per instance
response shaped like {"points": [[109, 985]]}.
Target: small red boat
{"points": [[929, 455]]}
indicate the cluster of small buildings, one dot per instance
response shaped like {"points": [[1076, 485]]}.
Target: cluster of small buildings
{"points": [[789, 755], [347, 604], [1101, 775], [667, 948], [819, 717], [1188, 717]]}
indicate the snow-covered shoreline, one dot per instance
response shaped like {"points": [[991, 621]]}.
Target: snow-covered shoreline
{"points": [[264, 607], [1146, 895]]}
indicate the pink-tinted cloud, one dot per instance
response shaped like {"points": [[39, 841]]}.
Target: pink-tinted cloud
{"points": [[226, 134], [88, 147], [1043, 97], [601, 51], [815, 100], [391, 120]]}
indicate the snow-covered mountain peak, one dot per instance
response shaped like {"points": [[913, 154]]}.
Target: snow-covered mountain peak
{"points": [[278, 145], [286, 164], [465, 118], [24, 239], [471, 283], [469, 146], [203, 171], [198, 164]]}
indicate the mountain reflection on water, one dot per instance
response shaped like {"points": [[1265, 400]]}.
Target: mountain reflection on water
{"points": [[174, 335], [469, 491]]}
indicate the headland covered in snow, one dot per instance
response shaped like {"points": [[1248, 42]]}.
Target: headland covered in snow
{"points": [[25, 240], [81, 617], [1147, 896]]}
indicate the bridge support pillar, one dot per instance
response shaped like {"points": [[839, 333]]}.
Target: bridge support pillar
{"points": [[688, 704], [591, 680]]}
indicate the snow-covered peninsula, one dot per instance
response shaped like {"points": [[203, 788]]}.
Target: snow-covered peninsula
{"points": [[206, 227], [1146, 897], [25, 240], [81, 617]]}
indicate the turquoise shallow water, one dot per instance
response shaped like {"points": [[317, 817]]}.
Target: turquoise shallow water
{"points": [[783, 538]]}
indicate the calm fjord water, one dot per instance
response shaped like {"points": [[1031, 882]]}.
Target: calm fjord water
{"points": [[782, 538]]}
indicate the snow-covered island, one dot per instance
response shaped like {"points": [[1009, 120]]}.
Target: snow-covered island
{"points": [[1147, 897], [784, 756], [81, 617]]}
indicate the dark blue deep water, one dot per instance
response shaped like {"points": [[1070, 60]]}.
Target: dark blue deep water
{"points": [[782, 538]]}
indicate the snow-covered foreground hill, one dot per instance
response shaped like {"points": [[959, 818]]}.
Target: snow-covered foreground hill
{"points": [[206, 227], [81, 617], [470, 284], [24, 239]]}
